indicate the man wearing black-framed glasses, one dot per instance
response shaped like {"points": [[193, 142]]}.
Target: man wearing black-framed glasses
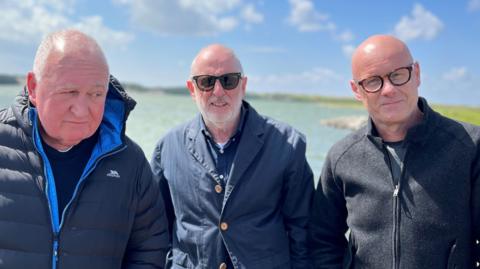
{"points": [[237, 184], [407, 185]]}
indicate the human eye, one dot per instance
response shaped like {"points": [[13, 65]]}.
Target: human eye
{"points": [[372, 82], [68, 92], [399, 76]]}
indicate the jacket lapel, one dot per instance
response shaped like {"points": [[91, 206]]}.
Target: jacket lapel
{"points": [[197, 146], [251, 142]]}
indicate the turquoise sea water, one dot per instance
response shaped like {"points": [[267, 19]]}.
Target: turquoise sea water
{"points": [[156, 113]]}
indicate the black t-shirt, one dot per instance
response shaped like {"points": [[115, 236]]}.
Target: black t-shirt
{"points": [[396, 153], [67, 168]]}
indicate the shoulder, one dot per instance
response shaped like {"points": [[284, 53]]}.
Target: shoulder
{"points": [[174, 141], [346, 145], [278, 130], [463, 132], [177, 133]]}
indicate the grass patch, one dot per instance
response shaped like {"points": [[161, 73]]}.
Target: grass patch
{"points": [[461, 113]]}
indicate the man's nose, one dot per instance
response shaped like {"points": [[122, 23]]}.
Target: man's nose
{"points": [[80, 106], [388, 88], [218, 89]]}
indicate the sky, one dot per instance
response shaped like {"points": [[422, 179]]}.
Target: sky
{"points": [[293, 46]]}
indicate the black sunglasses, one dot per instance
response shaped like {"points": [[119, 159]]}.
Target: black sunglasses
{"points": [[206, 83]]}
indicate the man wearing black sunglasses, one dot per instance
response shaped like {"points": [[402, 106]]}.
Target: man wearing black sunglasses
{"points": [[237, 184], [407, 185]]}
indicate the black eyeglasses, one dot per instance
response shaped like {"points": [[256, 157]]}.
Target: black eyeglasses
{"points": [[397, 77], [206, 83]]}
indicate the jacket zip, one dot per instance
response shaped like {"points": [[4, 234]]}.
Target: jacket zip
{"points": [[396, 224], [82, 179], [396, 211], [56, 231], [57, 227]]}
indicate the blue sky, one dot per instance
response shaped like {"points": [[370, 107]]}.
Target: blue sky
{"points": [[297, 46]]}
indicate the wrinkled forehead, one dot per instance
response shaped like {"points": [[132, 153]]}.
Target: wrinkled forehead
{"points": [[76, 60]]}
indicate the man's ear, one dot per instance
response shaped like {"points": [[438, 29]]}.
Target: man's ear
{"points": [[356, 90], [191, 88], [32, 88], [244, 85], [416, 73]]}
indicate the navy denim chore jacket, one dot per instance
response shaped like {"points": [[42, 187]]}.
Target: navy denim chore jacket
{"points": [[261, 214]]}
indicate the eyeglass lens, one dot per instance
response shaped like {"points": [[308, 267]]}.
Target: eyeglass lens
{"points": [[398, 77]]}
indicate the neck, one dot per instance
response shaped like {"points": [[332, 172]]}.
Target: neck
{"points": [[59, 146], [223, 131], [397, 131]]}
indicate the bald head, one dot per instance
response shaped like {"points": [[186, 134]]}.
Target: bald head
{"points": [[215, 57], [380, 50], [66, 44]]}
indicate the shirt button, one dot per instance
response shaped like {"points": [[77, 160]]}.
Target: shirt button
{"points": [[221, 151], [222, 266], [218, 189], [477, 242], [221, 176], [223, 226]]}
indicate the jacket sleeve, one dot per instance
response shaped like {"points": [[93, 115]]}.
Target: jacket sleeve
{"points": [[298, 193], [159, 177], [475, 206], [327, 226], [149, 238]]}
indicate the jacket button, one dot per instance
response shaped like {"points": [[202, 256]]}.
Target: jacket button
{"points": [[222, 266], [218, 189], [223, 226]]}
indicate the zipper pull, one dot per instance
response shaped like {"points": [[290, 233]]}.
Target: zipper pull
{"points": [[395, 191], [55, 246]]}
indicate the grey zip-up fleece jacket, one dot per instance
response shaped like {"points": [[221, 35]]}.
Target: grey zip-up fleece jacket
{"points": [[429, 220]]}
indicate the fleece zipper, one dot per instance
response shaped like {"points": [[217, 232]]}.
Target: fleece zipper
{"points": [[396, 210]]}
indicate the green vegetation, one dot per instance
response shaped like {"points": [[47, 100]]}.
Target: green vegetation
{"points": [[461, 113], [329, 101], [9, 79]]}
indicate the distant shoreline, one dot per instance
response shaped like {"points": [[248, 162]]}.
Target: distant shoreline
{"points": [[459, 112]]}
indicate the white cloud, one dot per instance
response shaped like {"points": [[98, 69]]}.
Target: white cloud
{"points": [[304, 16], [348, 50], [456, 74], [190, 17], [346, 36], [473, 5], [105, 36], [421, 24], [28, 21], [251, 15]]}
